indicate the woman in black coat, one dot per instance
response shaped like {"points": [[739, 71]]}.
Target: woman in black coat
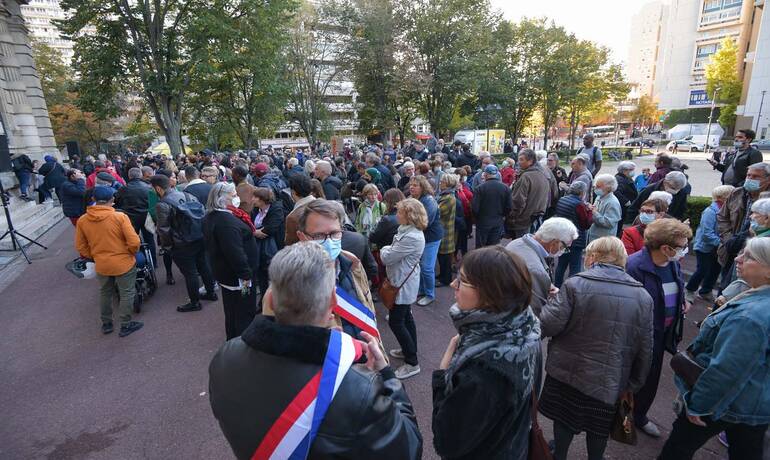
{"points": [[232, 250], [626, 192], [53, 175], [71, 195], [270, 224]]}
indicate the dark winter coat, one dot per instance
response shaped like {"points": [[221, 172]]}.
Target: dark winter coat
{"points": [[231, 247], [386, 229], [332, 186], [72, 194], [491, 203], [133, 199]]}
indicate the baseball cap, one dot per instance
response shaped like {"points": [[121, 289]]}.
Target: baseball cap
{"points": [[490, 169], [103, 193], [261, 168]]}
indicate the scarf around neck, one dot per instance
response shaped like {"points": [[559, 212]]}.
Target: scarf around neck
{"points": [[505, 343], [243, 216]]}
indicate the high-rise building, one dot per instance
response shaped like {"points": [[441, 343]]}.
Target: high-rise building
{"points": [[39, 15], [694, 30], [647, 28], [753, 112]]}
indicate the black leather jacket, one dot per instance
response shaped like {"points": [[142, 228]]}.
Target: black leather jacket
{"points": [[133, 199], [252, 379]]}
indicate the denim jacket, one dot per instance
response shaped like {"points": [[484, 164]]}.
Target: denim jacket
{"points": [[707, 236], [734, 347]]}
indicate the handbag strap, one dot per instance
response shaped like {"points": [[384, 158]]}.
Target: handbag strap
{"points": [[534, 408], [410, 274]]}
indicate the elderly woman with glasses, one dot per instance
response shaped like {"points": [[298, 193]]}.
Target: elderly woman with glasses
{"points": [[732, 393], [598, 310], [482, 392]]}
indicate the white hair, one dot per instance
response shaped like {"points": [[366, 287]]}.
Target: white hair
{"points": [[626, 166], [408, 165], [220, 196], [662, 196], [557, 228], [309, 167], [292, 162], [607, 179], [676, 179], [765, 167], [326, 167], [302, 279], [761, 207], [759, 250]]}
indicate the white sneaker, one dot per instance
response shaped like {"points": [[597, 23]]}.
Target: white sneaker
{"points": [[398, 353], [651, 429], [406, 371], [202, 289], [425, 301]]}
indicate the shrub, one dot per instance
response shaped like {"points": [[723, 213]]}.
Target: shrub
{"points": [[695, 206]]}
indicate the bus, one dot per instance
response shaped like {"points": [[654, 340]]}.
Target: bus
{"points": [[601, 131]]}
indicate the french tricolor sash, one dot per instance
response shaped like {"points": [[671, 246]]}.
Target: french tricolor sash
{"points": [[355, 313], [292, 434]]}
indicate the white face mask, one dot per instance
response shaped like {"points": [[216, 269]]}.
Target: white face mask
{"points": [[559, 253], [236, 201], [681, 252]]}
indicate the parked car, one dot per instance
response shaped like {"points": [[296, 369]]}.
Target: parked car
{"points": [[638, 142], [761, 144], [684, 146]]}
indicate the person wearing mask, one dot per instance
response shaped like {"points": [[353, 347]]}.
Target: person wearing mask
{"points": [[256, 378], [491, 204], [232, 250], [370, 211], [486, 160], [73, 192], [732, 394], [331, 183], [736, 164], [402, 265], [705, 245], [599, 309], [626, 192], [420, 189], [107, 237], [551, 240], [633, 236], [674, 183], [606, 208], [179, 228], [573, 207], [642, 180], [199, 184], [530, 196], [734, 218], [760, 218], [657, 268], [593, 153], [663, 166], [447, 206], [482, 392]]}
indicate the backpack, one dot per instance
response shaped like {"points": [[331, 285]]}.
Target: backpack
{"points": [[187, 219]]}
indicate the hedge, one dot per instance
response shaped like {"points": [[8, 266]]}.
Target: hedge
{"points": [[695, 207]]}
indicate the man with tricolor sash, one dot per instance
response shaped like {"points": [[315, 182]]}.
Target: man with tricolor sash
{"points": [[292, 388]]}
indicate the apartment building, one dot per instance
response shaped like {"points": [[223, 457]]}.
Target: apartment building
{"points": [[647, 28], [39, 16]]}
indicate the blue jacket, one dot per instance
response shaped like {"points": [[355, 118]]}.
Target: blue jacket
{"points": [[641, 182], [734, 346], [707, 237], [641, 267], [72, 194], [434, 231]]}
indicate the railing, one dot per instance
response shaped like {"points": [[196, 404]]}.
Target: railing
{"points": [[720, 16]]}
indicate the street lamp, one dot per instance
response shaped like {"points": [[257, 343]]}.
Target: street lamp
{"points": [[759, 115], [711, 116]]}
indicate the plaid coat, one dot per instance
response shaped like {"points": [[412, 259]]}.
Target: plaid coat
{"points": [[447, 207]]}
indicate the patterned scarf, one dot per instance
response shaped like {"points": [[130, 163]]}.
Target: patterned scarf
{"points": [[506, 343], [242, 215]]}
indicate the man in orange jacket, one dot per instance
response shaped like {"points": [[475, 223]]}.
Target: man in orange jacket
{"points": [[107, 237]]}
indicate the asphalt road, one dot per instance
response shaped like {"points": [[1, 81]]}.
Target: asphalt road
{"points": [[71, 393]]}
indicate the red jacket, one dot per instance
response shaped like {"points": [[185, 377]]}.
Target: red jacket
{"points": [[466, 198], [91, 181], [508, 175], [633, 239]]}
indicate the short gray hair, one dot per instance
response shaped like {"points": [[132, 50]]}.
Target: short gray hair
{"points": [[557, 228], [676, 179], [324, 165], [662, 196], [408, 165], [292, 162], [759, 250], [134, 173], [626, 166], [529, 154], [373, 158], [220, 196], [578, 188], [761, 207], [583, 157], [326, 208], [607, 179], [147, 170], [764, 167], [302, 279]]}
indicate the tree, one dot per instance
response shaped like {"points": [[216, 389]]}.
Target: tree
{"points": [[646, 112], [562, 73], [242, 78], [70, 123], [685, 116], [722, 76], [54, 73], [146, 45]]}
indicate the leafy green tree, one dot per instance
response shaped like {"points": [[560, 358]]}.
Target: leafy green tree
{"points": [[722, 76], [684, 116], [646, 112], [54, 73]]}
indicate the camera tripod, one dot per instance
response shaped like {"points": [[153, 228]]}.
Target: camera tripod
{"points": [[12, 231]]}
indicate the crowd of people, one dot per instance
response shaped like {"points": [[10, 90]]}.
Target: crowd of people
{"points": [[301, 245]]}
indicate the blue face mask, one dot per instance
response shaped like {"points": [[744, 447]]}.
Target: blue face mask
{"points": [[738, 144], [646, 219], [332, 247], [751, 185], [756, 228], [599, 192]]}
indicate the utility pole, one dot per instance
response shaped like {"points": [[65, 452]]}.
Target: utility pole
{"points": [[759, 116], [711, 116]]}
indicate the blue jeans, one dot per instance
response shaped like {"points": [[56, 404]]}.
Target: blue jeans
{"points": [[572, 260], [706, 272], [23, 177], [428, 269]]}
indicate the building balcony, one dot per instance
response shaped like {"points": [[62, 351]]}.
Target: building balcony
{"points": [[718, 17]]}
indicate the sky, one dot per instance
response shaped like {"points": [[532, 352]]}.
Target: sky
{"points": [[606, 22]]}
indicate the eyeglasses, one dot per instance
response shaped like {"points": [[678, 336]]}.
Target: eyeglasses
{"points": [[565, 246], [458, 281], [322, 237]]}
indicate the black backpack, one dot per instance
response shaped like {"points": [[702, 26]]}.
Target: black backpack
{"points": [[187, 220]]}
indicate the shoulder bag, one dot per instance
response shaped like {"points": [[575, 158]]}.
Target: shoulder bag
{"points": [[538, 446], [686, 368], [623, 429], [388, 292]]}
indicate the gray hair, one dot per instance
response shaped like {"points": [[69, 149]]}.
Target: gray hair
{"points": [[302, 279], [326, 208], [553, 156], [309, 167], [220, 196], [761, 207], [408, 165], [529, 154], [134, 173], [147, 170], [764, 167], [292, 162], [373, 158], [759, 250], [557, 228], [583, 157], [662, 196], [626, 166], [325, 166], [578, 188], [676, 179], [607, 179]]}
